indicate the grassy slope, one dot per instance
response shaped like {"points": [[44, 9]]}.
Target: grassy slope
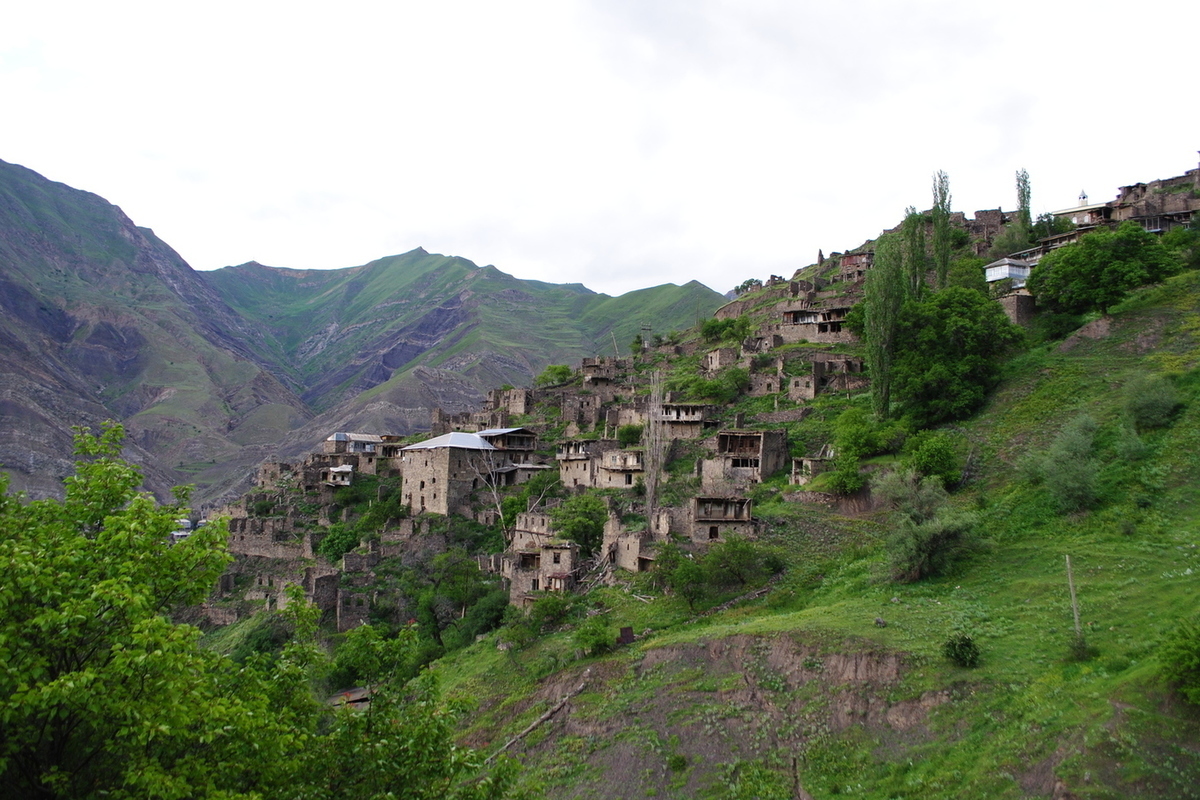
{"points": [[750, 702], [506, 330], [76, 252]]}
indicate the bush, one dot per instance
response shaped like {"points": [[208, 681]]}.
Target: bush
{"points": [[1070, 468], [915, 498], [629, 435], [933, 453], [340, 540], [924, 550], [1179, 658], [554, 375], [1151, 401], [594, 637], [962, 650]]}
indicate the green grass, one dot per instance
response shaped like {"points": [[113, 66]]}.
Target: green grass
{"points": [[1026, 717]]}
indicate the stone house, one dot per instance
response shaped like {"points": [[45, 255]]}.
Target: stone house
{"points": [[518, 445], [744, 457], [711, 519], [685, 420], [809, 467], [829, 373], [538, 560], [716, 360], [619, 469], [338, 476], [440, 474]]}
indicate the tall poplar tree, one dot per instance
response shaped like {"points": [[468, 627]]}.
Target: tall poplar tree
{"points": [[941, 227], [915, 262], [883, 295]]}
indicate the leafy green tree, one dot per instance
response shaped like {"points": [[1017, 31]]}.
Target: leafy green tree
{"points": [[1024, 195], [101, 695], [94, 676], [581, 519], [1018, 234], [748, 285], [942, 239], [1183, 243], [967, 272], [916, 259], [733, 330], [883, 297], [339, 540], [1097, 272], [933, 453], [1050, 225], [629, 435], [554, 375], [1070, 467], [949, 349]]}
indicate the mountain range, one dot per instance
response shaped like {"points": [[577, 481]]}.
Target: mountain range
{"points": [[213, 372]]}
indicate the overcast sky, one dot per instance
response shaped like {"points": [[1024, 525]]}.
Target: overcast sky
{"points": [[618, 143]]}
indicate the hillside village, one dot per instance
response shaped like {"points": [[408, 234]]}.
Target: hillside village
{"points": [[670, 467]]}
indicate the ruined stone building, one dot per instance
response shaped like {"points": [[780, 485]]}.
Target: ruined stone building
{"points": [[538, 560], [441, 474], [829, 373], [708, 519], [686, 420], [744, 457], [578, 460]]}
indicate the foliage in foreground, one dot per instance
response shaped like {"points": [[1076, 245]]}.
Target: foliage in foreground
{"points": [[1179, 658], [102, 696]]}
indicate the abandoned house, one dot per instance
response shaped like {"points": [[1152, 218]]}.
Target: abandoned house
{"points": [[685, 420], [440, 474], [538, 560], [714, 518], [338, 476], [579, 459], [516, 444], [837, 373], [805, 469], [744, 457], [619, 469]]}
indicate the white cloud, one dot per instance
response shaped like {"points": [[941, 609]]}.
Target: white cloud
{"points": [[618, 144]]}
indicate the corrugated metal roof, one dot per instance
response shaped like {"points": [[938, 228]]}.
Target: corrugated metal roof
{"points": [[463, 441], [353, 437], [500, 431]]}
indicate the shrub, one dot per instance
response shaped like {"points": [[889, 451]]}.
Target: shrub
{"points": [[1151, 401], [934, 454], [550, 611], [1179, 658], [594, 637], [1070, 468], [962, 650], [339, 541], [918, 499], [553, 375], [923, 550], [629, 435]]}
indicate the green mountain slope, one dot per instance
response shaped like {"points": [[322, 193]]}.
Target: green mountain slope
{"points": [[834, 682], [102, 320], [342, 332], [212, 372]]}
